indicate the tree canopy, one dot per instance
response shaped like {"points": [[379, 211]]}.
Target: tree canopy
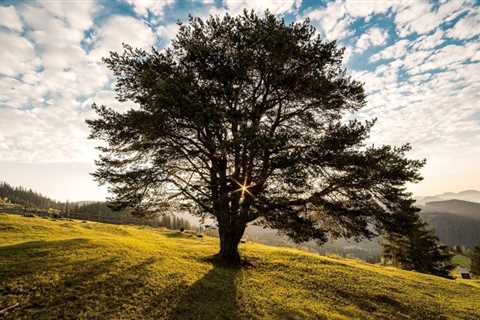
{"points": [[246, 119]]}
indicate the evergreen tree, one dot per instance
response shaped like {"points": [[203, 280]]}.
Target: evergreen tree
{"points": [[475, 258], [27, 198], [458, 249], [417, 248], [244, 119]]}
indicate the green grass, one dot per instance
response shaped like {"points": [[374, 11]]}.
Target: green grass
{"points": [[69, 269]]}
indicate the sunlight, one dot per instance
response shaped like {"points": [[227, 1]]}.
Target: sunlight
{"points": [[243, 188]]}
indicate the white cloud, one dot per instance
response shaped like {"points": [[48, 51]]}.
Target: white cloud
{"points": [[397, 50], [62, 56], [142, 7], [52, 134], [10, 19], [429, 109], [366, 8], [59, 20], [17, 94], [108, 98], [77, 14], [334, 20], [427, 42], [118, 30], [445, 57], [355, 9], [48, 29], [420, 17], [415, 16], [450, 9], [373, 37], [54, 74], [18, 56], [415, 59], [467, 27], [331, 20], [168, 32], [275, 6], [347, 54]]}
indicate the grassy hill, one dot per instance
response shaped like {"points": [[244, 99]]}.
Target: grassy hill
{"points": [[72, 269]]}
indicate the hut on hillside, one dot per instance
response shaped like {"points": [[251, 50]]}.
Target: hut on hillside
{"points": [[464, 272]]}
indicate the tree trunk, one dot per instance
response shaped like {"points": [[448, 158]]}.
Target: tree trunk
{"points": [[230, 236]]}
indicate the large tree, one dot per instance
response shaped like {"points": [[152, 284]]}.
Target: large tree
{"points": [[247, 119]]}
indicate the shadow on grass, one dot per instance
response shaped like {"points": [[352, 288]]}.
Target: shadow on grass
{"points": [[33, 256], [214, 296], [69, 279]]}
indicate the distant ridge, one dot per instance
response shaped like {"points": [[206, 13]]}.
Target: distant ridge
{"points": [[456, 222], [466, 195], [455, 206]]}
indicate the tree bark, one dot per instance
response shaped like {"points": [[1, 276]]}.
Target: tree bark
{"points": [[230, 236]]}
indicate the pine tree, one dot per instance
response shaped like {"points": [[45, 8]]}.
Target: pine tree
{"points": [[245, 119], [475, 258], [417, 248], [395, 248]]}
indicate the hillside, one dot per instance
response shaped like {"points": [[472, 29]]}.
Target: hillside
{"points": [[455, 206], [73, 269], [456, 222]]}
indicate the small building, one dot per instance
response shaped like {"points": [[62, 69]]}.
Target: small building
{"points": [[464, 272]]}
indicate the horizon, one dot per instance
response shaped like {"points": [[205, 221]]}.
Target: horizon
{"points": [[422, 77], [25, 182]]}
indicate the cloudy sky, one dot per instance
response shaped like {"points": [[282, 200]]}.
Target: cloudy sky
{"points": [[419, 60]]}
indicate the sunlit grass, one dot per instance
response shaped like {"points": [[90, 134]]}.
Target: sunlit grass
{"points": [[70, 269]]}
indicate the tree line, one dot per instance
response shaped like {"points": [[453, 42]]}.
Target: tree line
{"points": [[99, 211], [27, 197], [27, 201]]}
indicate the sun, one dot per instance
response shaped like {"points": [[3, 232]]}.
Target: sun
{"points": [[243, 188]]}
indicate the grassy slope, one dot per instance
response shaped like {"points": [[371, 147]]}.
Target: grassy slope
{"points": [[70, 269]]}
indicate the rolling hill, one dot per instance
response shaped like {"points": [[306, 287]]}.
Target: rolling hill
{"points": [[456, 222], [60, 269], [454, 206]]}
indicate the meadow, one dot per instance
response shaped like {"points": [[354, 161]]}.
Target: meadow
{"points": [[70, 269]]}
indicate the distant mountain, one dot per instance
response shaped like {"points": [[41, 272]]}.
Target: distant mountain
{"points": [[454, 206], [467, 195], [456, 222]]}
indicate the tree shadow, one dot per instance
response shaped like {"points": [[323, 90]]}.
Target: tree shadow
{"points": [[214, 296], [46, 284], [33, 256]]}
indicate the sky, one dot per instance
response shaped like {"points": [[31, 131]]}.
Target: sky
{"points": [[419, 61]]}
